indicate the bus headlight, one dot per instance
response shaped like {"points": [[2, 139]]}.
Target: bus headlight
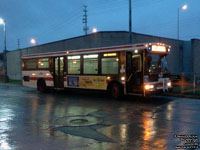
{"points": [[148, 87], [151, 86], [169, 84]]}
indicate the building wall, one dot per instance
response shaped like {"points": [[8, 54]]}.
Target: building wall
{"points": [[101, 39], [1, 64], [196, 55], [187, 57], [14, 65]]}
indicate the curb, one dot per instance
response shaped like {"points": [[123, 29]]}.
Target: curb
{"points": [[183, 96]]}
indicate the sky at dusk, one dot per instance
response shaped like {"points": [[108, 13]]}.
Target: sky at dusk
{"points": [[53, 20]]}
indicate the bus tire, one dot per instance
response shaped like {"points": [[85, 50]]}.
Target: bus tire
{"points": [[115, 90], [41, 85]]}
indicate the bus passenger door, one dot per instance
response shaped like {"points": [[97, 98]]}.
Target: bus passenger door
{"points": [[59, 72], [134, 72]]}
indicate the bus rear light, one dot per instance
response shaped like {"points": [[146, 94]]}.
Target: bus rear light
{"points": [[33, 74], [47, 74]]}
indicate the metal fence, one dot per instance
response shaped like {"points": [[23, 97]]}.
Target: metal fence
{"points": [[186, 84]]}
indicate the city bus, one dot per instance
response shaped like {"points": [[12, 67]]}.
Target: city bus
{"points": [[136, 69]]}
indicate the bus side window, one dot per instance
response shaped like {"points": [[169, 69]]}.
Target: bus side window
{"points": [[74, 64], [30, 64], [43, 63], [90, 64], [110, 65]]}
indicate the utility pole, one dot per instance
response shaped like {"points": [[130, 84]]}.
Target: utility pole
{"points": [[85, 21], [3, 22], [130, 22]]}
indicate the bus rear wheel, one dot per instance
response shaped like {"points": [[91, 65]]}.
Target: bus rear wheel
{"points": [[41, 86], [116, 91]]}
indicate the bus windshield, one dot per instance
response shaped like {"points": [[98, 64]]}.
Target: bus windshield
{"points": [[156, 64]]}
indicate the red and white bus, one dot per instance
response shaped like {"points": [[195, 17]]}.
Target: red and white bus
{"points": [[139, 69]]}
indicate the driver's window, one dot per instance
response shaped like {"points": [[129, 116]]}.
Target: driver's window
{"points": [[136, 63]]}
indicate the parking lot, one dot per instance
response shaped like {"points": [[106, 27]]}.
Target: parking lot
{"points": [[83, 120]]}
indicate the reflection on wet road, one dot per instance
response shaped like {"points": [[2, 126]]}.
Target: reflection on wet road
{"points": [[80, 121]]}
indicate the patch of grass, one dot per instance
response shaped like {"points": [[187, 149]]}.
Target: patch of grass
{"points": [[11, 81], [15, 81]]}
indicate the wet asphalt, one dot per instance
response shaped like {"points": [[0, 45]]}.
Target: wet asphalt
{"points": [[88, 120]]}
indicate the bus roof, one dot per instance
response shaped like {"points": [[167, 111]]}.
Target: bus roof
{"points": [[93, 50]]}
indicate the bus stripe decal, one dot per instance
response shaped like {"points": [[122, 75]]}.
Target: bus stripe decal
{"points": [[36, 78], [58, 53]]}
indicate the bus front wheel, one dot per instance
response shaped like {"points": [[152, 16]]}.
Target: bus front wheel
{"points": [[115, 91], [41, 86]]}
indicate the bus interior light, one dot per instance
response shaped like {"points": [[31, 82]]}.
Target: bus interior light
{"points": [[109, 54], [74, 57], [91, 56]]}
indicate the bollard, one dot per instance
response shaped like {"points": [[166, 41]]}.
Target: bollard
{"points": [[194, 84], [182, 83]]}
